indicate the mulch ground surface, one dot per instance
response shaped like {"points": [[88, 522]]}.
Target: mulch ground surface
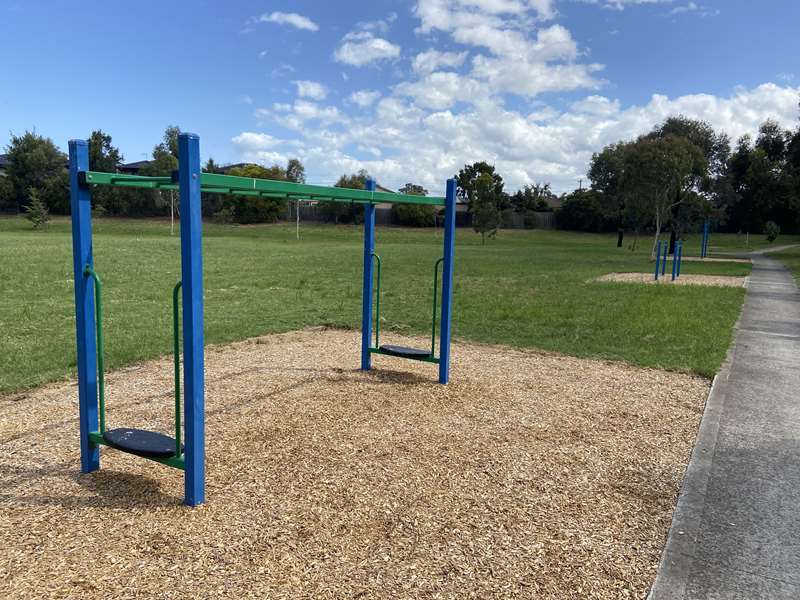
{"points": [[531, 475], [666, 279]]}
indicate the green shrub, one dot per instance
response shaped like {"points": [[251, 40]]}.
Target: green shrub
{"points": [[581, 211], [36, 211], [530, 218], [8, 202], [772, 231], [251, 209], [414, 215], [341, 212], [224, 216]]}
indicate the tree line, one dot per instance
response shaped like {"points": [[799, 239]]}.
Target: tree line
{"points": [[683, 172], [670, 179]]}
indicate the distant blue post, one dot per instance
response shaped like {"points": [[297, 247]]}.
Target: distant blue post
{"points": [[192, 279], [81, 207], [680, 257], [664, 258], [675, 259], [706, 231], [366, 296], [658, 258], [447, 281]]}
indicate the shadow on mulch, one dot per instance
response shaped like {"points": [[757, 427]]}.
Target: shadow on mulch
{"points": [[108, 488]]}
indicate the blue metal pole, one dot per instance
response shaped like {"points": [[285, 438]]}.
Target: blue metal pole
{"points": [[703, 242], [704, 250], [366, 294], [658, 258], [192, 288], [445, 326], [664, 258], [675, 260], [81, 207], [680, 257]]}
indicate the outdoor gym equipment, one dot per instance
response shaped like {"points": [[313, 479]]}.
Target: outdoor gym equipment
{"points": [[704, 239], [662, 253], [189, 454]]}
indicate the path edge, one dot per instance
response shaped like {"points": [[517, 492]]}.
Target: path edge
{"points": [[678, 554]]}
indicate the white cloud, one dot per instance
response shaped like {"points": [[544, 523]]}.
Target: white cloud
{"points": [[454, 106], [432, 60], [402, 141], [247, 99], [250, 141], [293, 19], [380, 25], [693, 7], [442, 90], [364, 98], [515, 62], [362, 48], [310, 89], [621, 4]]}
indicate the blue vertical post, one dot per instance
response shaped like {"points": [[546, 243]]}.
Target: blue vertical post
{"points": [[192, 287], [658, 258], [664, 258], [706, 230], [81, 207], [680, 257], [445, 326], [366, 297], [675, 259]]}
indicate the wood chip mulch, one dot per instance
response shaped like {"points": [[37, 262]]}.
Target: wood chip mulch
{"points": [[716, 260], [712, 280], [531, 475]]}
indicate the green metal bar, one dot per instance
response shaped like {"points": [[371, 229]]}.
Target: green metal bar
{"points": [[98, 296], [377, 300], [435, 286], [229, 184], [428, 359], [176, 330], [176, 462]]}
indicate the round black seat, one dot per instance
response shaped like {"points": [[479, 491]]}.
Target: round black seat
{"points": [[405, 352], [148, 444]]}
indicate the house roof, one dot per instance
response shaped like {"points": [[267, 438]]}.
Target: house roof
{"points": [[3, 161], [134, 166]]}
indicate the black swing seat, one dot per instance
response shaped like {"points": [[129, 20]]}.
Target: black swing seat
{"points": [[147, 444], [404, 352]]}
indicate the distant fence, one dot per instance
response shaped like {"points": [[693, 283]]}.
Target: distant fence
{"points": [[384, 216]]}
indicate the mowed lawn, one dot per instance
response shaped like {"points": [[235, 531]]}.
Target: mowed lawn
{"points": [[524, 288]]}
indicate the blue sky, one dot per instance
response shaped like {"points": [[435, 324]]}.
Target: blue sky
{"points": [[408, 90]]}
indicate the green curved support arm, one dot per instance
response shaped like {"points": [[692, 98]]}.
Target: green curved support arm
{"points": [[98, 301], [377, 300], [435, 288], [176, 332]]}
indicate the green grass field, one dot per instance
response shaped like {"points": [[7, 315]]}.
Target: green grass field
{"points": [[789, 257], [524, 288]]}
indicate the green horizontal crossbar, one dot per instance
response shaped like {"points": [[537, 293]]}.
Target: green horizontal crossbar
{"points": [[176, 462], [248, 186]]}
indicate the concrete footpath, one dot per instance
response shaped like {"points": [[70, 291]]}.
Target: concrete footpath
{"points": [[736, 529]]}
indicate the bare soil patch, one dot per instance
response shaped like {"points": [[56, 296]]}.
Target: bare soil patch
{"points": [[713, 280], [531, 475]]}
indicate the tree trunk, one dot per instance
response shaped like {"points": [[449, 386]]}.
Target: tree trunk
{"points": [[620, 233], [655, 238]]}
